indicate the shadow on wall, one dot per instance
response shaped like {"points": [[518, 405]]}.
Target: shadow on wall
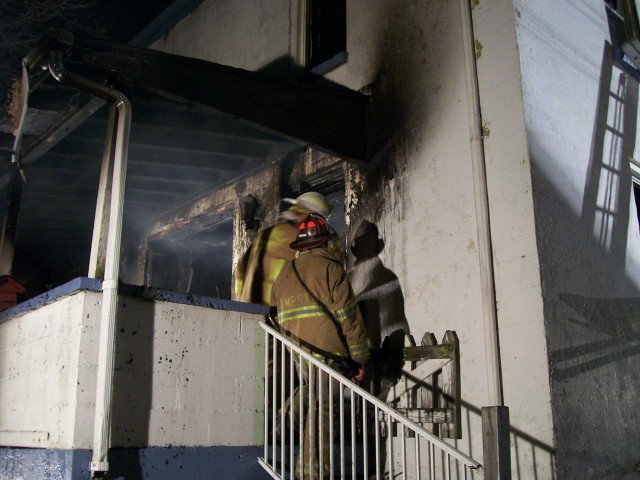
{"points": [[380, 298], [132, 388], [591, 306], [381, 301]]}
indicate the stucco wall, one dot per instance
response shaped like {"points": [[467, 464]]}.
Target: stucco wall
{"points": [[189, 376], [39, 371], [251, 34], [185, 375], [580, 138]]}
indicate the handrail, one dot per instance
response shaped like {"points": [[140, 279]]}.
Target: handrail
{"points": [[272, 339]]}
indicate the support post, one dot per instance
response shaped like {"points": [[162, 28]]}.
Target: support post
{"points": [[10, 223], [103, 204], [496, 443]]}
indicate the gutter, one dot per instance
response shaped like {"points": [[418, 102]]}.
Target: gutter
{"points": [[483, 222], [106, 352]]}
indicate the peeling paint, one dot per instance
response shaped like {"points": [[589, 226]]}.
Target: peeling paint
{"points": [[478, 47]]}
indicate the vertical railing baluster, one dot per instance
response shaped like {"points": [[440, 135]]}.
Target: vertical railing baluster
{"points": [[353, 434], [447, 467], [403, 444], [320, 426], [342, 455], [376, 412], [291, 414], [301, 429], [282, 384], [418, 471], [390, 436], [311, 419], [365, 441], [432, 461], [266, 395], [331, 416], [274, 372]]}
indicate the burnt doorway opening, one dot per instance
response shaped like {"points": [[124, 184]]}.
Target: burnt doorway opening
{"points": [[199, 264]]}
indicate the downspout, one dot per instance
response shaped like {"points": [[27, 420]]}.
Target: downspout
{"points": [[104, 388], [496, 449], [483, 223]]}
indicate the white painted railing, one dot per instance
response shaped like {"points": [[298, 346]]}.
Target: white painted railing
{"points": [[369, 439]]}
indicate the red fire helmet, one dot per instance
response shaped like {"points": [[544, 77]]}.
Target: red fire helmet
{"points": [[313, 231]]}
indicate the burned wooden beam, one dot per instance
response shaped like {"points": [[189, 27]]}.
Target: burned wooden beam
{"points": [[333, 118]]}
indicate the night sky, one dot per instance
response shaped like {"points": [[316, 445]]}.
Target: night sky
{"points": [[115, 20]]}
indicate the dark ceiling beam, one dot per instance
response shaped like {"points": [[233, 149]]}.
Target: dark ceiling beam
{"points": [[61, 214], [333, 118], [155, 197], [166, 151], [138, 169], [161, 113], [60, 193], [164, 185]]}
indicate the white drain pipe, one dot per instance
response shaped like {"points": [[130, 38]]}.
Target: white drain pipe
{"points": [[106, 352], [487, 285]]}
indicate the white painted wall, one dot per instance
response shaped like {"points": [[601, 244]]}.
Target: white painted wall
{"points": [[40, 367], [420, 194], [591, 272], [523, 345], [185, 375], [191, 378], [250, 34]]}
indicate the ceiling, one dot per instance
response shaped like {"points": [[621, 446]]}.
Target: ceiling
{"points": [[177, 151]]}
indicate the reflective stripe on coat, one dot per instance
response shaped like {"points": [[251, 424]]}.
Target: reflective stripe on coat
{"points": [[261, 264]]}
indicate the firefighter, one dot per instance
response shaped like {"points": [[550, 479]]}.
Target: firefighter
{"points": [[316, 308], [261, 264]]}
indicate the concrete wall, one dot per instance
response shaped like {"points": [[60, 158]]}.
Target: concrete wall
{"points": [[580, 139], [40, 370], [188, 385], [418, 194], [251, 34]]}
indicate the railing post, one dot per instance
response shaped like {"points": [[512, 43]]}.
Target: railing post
{"points": [[496, 443]]}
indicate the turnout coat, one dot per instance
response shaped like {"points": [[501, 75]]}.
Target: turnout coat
{"points": [[261, 264], [305, 321]]}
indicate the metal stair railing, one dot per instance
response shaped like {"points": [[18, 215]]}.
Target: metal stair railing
{"points": [[354, 446]]}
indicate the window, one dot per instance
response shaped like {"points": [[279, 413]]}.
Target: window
{"points": [[326, 35], [318, 34], [624, 28]]}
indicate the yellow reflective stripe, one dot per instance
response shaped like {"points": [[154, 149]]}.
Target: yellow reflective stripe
{"points": [[341, 314], [346, 312], [239, 285], [329, 361], [359, 348], [282, 321], [300, 312]]}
